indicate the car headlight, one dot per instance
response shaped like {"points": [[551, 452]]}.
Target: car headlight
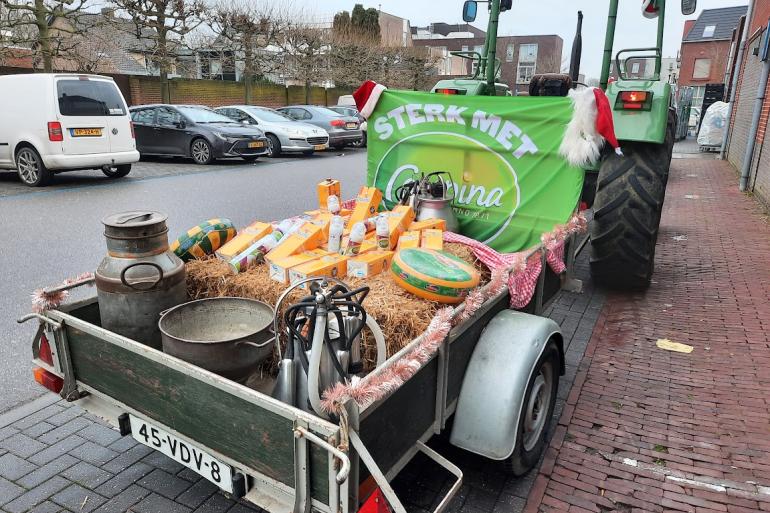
{"points": [[225, 137]]}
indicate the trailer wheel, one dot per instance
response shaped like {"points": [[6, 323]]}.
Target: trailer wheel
{"points": [[627, 207], [539, 401]]}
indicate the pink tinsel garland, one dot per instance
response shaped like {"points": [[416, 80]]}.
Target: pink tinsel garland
{"points": [[43, 300]]}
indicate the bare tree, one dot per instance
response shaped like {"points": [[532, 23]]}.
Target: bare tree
{"points": [[28, 24], [305, 47], [163, 24]]}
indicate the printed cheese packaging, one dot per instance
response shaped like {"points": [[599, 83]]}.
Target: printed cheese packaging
{"points": [[369, 264], [367, 202], [434, 275], [279, 269], [323, 219], [326, 188], [432, 239], [410, 239], [344, 212], [331, 264], [245, 238], [204, 239], [398, 220], [427, 224], [308, 236]]}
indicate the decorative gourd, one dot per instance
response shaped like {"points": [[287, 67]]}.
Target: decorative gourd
{"points": [[434, 275], [204, 239]]}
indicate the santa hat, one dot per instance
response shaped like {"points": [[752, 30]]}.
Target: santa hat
{"points": [[590, 127], [367, 96], [650, 8]]}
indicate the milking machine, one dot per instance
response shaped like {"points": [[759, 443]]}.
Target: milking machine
{"points": [[323, 343]]}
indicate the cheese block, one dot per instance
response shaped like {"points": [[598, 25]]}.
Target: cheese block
{"points": [[434, 275], [204, 239], [245, 238]]}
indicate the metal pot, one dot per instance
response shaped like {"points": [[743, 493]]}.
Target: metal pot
{"points": [[140, 277], [438, 208], [229, 336]]}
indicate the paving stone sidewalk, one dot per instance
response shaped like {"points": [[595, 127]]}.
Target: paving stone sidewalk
{"points": [[54, 457], [646, 429]]}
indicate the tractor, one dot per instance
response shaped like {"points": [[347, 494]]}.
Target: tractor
{"points": [[626, 192]]}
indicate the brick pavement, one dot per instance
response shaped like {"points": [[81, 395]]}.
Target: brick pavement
{"points": [[54, 457], [650, 430]]}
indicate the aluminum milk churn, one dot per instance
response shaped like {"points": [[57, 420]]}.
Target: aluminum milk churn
{"points": [[140, 277]]}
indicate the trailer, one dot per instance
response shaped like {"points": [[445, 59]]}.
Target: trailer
{"points": [[491, 385]]}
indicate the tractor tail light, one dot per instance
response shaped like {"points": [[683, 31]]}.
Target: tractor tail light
{"points": [[634, 100], [44, 352], [48, 379], [449, 91], [337, 122], [54, 132]]}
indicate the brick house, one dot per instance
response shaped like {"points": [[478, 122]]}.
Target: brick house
{"points": [[743, 108], [706, 49], [520, 56]]}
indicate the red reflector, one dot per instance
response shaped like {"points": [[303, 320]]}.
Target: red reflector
{"points": [[44, 352], [133, 134], [48, 379], [376, 503], [632, 106], [337, 122], [54, 131], [583, 206], [447, 91], [633, 96]]}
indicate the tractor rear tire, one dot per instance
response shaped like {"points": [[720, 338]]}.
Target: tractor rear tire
{"points": [[629, 199]]}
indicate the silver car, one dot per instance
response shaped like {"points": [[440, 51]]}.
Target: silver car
{"points": [[343, 130], [284, 135]]}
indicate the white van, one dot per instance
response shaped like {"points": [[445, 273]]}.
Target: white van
{"points": [[52, 122]]}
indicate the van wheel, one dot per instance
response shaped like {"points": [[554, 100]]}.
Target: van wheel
{"points": [[201, 152], [116, 171], [539, 401], [31, 169]]}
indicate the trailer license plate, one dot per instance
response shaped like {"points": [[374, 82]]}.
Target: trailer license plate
{"points": [[86, 132], [221, 474]]}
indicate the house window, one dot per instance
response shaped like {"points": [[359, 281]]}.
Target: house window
{"points": [[474, 63], [527, 63], [702, 69], [697, 96], [509, 53], [635, 67], [709, 30]]}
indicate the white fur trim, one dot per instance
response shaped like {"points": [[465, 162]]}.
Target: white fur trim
{"points": [[371, 102], [582, 143]]}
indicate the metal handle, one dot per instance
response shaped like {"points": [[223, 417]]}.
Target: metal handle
{"points": [[342, 475], [151, 264], [131, 217], [269, 341], [42, 318]]}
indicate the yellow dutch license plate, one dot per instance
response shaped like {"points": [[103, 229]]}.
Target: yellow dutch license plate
{"points": [[86, 132], [319, 147], [351, 125], [256, 144]]}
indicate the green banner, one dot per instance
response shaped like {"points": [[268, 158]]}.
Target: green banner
{"points": [[509, 182]]}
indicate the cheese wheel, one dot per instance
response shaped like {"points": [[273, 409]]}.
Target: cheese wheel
{"points": [[435, 275], [204, 239]]}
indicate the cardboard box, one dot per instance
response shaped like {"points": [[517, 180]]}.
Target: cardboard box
{"points": [[398, 220], [306, 237], [245, 238], [369, 264], [323, 219], [366, 246], [332, 265], [432, 239], [279, 269], [410, 239], [428, 224], [367, 202], [344, 213], [328, 188]]}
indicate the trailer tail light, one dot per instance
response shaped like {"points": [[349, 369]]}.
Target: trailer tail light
{"points": [[48, 379], [133, 134], [55, 133], [634, 100], [44, 351], [337, 123], [376, 503], [447, 90]]}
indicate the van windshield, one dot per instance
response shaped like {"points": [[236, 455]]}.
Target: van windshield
{"points": [[79, 97]]}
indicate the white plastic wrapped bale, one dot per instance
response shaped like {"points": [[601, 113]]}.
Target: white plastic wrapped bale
{"points": [[712, 130]]}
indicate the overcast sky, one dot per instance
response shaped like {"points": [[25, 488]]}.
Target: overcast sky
{"points": [[548, 17]]}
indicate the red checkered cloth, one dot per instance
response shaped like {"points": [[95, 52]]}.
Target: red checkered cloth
{"points": [[554, 255], [522, 284]]}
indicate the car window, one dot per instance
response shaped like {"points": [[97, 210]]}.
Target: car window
{"points": [[303, 114], [325, 112], [89, 98], [269, 115], [240, 116], [168, 117], [143, 116], [203, 115]]}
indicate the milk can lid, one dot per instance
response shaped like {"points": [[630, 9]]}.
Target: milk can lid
{"points": [[134, 219]]}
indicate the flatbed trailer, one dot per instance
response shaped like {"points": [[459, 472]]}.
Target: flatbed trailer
{"points": [[284, 459]]}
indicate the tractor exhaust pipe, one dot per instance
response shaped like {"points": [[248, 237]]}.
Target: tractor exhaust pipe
{"points": [[577, 51]]}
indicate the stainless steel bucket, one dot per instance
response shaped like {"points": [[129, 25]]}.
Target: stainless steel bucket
{"points": [[229, 336]]}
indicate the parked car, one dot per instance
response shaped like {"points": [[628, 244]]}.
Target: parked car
{"points": [[343, 130], [194, 131], [55, 122], [353, 112], [284, 134]]}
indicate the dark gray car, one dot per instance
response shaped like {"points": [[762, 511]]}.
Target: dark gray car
{"points": [[194, 131], [343, 130]]}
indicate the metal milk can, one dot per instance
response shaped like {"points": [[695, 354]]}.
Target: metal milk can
{"points": [[140, 277]]}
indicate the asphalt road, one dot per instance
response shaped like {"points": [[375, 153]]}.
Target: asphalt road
{"points": [[55, 233]]}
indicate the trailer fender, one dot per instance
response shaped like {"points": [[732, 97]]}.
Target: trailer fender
{"points": [[492, 393]]}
